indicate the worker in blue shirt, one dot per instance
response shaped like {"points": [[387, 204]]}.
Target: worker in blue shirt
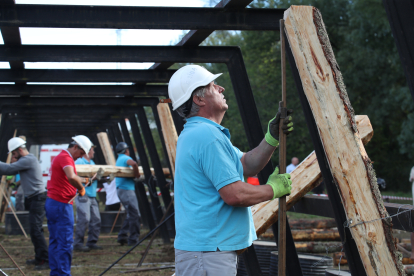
{"points": [[87, 211], [125, 187], [212, 203]]}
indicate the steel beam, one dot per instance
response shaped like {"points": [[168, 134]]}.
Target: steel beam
{"points": [[155, 202], [195, 37], [74, 75], [71, 101], [155, 159], [84, 53], [84, 90], [183, 18], [400, 16]]}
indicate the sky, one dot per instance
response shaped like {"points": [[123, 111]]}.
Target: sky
{"points": [[69, 36]]}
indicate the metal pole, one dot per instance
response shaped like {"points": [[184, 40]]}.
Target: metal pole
{"points": [[282, 161]]}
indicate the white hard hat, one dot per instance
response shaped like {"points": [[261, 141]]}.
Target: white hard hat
{"points": [[15, 143], [83, 142], [185, 81]]}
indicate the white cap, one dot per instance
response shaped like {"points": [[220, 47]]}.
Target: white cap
{"points": [[83, 142], [15, 143], [185, 81]]}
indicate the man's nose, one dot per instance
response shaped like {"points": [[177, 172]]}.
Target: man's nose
{"points": [[221, 89]]}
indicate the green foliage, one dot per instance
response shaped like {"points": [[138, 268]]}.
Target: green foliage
{"points": [[365, 50]]}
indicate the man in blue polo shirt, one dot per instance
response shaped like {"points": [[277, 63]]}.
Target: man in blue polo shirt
{"points": [[87, 211], [125, 187], [212, 214]]}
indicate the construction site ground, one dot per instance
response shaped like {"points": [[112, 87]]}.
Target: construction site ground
{"points": [[95, 262]]}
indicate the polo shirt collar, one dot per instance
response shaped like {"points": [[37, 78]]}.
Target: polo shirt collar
{"points": [[84, 159], [198, 119], [68, 153]]}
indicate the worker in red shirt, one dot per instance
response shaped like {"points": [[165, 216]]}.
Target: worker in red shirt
{"points": [[62, 187]]}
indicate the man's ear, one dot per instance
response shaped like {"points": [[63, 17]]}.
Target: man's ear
{"points": [[199, 101]]}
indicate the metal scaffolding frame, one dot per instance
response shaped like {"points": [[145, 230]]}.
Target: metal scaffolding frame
{"points": [[38, 111]]}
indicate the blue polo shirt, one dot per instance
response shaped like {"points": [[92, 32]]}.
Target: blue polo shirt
{"points": [[207, 161], [91, 189], [125, 183]]}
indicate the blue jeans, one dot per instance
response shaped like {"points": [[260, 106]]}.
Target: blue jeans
{"points": [[60, 222]]}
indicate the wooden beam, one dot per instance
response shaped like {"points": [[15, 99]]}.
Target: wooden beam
{"points": [[90, 170], [169, 132], [304, 178], [351, 168], [106, 148], [3, 185]]}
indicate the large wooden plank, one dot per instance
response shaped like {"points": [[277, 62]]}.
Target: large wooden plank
{"points": [[351, 168], [90, 170], [169, 132], [106, 148], [304, 178]]}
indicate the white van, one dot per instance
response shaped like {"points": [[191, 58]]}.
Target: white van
{"points": [[47, 153]]}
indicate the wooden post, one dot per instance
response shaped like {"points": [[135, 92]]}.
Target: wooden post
{"points": [[281, 242], [90, 170], [169, 131], [106, 148], [3, 183], [348, 161]]}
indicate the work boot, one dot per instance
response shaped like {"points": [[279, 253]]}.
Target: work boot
{"points": [[81, 248], [31, 262], [132, 243], [122, 241], [42, 265], [94, 247]]}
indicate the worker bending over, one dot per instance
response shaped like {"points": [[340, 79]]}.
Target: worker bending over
{"points": [[33, 187], [125, 187], [87, 211], [61, 189], [212, 214]]}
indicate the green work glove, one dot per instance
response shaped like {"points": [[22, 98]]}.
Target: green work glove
{"points": [[280, 183], [12, 185], [272, 135], [9, 177]]}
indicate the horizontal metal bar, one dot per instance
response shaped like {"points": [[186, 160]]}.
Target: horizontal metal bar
{"points": [[59, 75], [84, 90], [71, 101], [320, 206], [183, 18], [82, 53], [56, 110]]}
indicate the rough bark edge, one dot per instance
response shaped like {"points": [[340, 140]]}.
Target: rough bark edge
{"points": [[340, 86]]}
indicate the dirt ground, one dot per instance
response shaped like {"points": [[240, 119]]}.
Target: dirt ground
{"points": [[93, 262]]}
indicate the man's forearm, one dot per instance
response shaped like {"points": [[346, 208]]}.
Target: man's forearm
{"points": [[255, 160], [76, 182], [240, 194]]}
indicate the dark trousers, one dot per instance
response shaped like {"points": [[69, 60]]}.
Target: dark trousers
{"points": [[60, 223], [36, 207], [113, 207]]}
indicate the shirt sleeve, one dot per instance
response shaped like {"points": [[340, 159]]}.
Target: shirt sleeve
{"points": [[79, 161], [66, 161], [217, 164], [20, 165], [238, 152]]}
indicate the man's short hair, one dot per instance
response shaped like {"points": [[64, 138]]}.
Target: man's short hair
{"points": [[190, 108]]}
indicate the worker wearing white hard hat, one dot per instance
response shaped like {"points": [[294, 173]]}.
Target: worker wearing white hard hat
{"points": [[62, 187], [212, 203], [34, 191]]}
